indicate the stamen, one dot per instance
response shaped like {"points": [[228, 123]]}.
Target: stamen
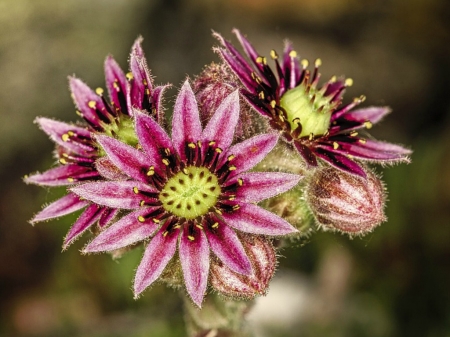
{"points": [[99, 91], [273, 54]]}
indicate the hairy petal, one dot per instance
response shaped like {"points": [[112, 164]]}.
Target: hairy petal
{"points": [[156, 257], [107, 216], [194, 258], [251, 151], [114, 194], [68, 204], [59, 133], [222, 124], [250, 218], [86, 220], [125, 232], [186, 126], [228, 248], [62, 175], [131, 161], [262, 185], [340, 161], [116, 83]]}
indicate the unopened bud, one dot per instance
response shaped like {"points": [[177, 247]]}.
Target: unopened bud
{"points": [[345, 202], [211, 87], [231, 284]]}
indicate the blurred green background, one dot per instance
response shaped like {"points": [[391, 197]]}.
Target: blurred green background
{"points": [[393, 282]]}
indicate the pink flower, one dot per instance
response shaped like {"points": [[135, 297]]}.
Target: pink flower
{"points": [[191, 191]]}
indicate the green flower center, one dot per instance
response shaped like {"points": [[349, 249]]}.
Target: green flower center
{"points": [[190, 194], [122, 128], [310, 108]]}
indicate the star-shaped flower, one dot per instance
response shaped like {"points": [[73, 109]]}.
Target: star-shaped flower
{"points": [[191, 191], [309, 116], [78, 154]]}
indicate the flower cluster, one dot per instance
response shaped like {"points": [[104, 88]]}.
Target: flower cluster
{"points": [[192, 196]]}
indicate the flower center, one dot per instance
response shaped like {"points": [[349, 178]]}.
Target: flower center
{"points": [[190, 194], [308, 108], [121, 128]]}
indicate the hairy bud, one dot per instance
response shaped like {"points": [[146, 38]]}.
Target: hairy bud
{"points": [[345, 202], [211, 87], [231, 284]]}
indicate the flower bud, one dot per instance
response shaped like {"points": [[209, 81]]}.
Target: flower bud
{"points": [[231, 284], [211, 87], [344, 202]]}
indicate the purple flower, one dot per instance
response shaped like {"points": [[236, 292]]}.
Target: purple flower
{"points": [[77, 151], [310, 117], [189, 191]]}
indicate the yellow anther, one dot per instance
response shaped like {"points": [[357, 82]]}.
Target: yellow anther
{"points": [[177, 226], [232, 168], [296, 120], [191, 238], [92, 104], [368, 124], [211, 143], [185, 171], [79, 113], [231, 198], [191, 145], [142, 203], [273, 54], [281, 118], [65, 155], [304, 63], [167, 151], [147, 92], [218, 211], [350, 156], [259, 59], [129, 76], [335, 145], [135, 190], [151, 171], [141, 218], [362, 98], [231, 157], [318, 63], [236, 207], [353, 134], [165, 233], [65, 137], [199, 226], [273, 104], [261, 95], [199, 143], [144, 82], [362, 141], [71, 133], [165, 162], [99, 91], [348, 82], [63, 161], [218, 150], [240, 181], [156, 221], [292, 54], [215, 225], [70, 180], [311, 136], [116, 85]]}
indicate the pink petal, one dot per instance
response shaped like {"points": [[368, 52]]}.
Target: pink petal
{"points": [[340, 161], [186, 126], [228, 248], [116, 82], [152, 138], [131, 161], [108, 170], [250, 218], [156, 257], [82, 96], [112, 194], [59, 132], [107, 216], [262, 185], [125, 232], [222, 124], [86, 220], [371, 114], [251, 151], [62, 175], [194, 258], [157, 99], [68, 204]]}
